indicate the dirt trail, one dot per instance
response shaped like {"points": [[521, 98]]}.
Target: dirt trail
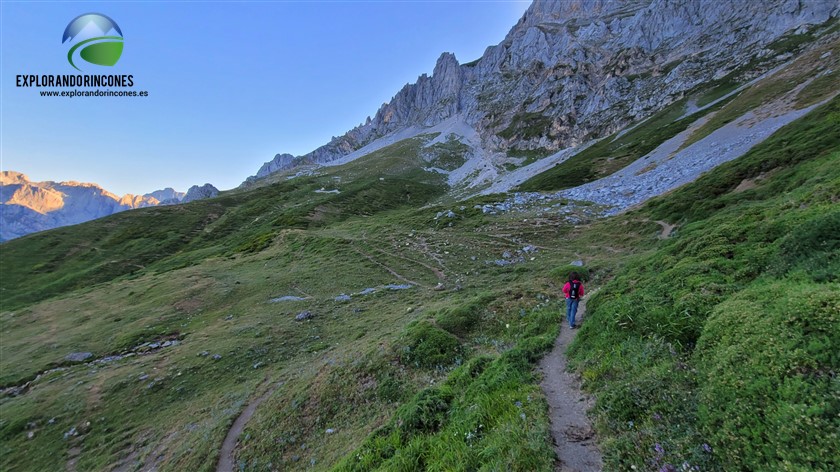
{"points": [[437, 271], [574, 438], [390, 270], [226, 459], [667, 229]]}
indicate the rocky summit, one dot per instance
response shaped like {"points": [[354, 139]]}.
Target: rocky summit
{"points": [[200, 192]]}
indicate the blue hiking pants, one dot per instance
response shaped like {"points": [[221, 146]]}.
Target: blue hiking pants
{"points": [[571, 310]]}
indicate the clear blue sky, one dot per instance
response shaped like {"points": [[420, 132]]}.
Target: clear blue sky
{"points": [[230, 83]]}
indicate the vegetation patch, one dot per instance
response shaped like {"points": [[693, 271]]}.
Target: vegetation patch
{"points": [[425, 345], [561, 274], [461, 319], [528, 156], [768, 390], [448, 155], [489, 414], [720, 88]]}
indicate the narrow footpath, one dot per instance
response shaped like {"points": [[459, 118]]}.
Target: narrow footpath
{"points": [[226, 457], [574, 438]]}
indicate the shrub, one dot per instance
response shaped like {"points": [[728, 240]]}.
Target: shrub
{"points": [[426, 413], [461, 319], [770, 396], [814, 247], [426, 345]]}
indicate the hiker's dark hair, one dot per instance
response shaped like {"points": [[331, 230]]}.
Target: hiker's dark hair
{"points": [[574, 276]]}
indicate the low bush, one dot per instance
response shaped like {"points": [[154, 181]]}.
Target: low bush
{"points": [[460, 320], [426, 345], [769, 394], [560, 275], [489, 414]]}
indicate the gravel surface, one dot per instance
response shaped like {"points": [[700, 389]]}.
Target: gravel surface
{"points": [[665, 168]]}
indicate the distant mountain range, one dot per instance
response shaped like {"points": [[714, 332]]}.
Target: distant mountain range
{"points": [[27, 207]]}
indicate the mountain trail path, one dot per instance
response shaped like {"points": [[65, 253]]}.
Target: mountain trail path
{"points": [[574, 438], [667, 229], [226, 458]]}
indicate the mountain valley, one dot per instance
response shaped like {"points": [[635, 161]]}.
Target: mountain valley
{"points": [[383, 303]]}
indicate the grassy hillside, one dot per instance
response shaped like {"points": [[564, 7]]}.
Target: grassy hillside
{"points": [[160, 239], [205, 274], [720, 349]]}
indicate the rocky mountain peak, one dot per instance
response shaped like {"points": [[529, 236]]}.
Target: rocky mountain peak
{"points": [[446, 64], [10, 177], [200, 192], [168, 194], [280, 162]]}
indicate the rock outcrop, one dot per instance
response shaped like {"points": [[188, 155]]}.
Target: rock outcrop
{"points": [[573, 70], [280, 162], [167, 195], [199, 193]]}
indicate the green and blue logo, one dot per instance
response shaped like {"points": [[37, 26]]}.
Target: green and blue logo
{"points": [[97, 38]]}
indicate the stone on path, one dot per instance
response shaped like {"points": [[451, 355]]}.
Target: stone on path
{"points": [[78, 356]]}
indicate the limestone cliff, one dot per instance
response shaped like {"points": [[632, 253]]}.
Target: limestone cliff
{"points": [[573, 70]]}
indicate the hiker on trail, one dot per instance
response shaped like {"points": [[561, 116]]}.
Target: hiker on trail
{"points": [[574, 292]]}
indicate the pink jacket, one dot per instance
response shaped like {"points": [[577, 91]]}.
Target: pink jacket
{"points": [[568, 287]]}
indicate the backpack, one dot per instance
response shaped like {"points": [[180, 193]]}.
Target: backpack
{"points": [[574, 290]]}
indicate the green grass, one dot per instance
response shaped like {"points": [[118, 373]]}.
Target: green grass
{"points": [[448, 155], [487, 415], [791, 43], [789, 354], [819, 89], [164, 238], [720, 88]]}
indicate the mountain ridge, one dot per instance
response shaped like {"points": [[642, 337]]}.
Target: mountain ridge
{"points": [[27, 206], [570, 71]]}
